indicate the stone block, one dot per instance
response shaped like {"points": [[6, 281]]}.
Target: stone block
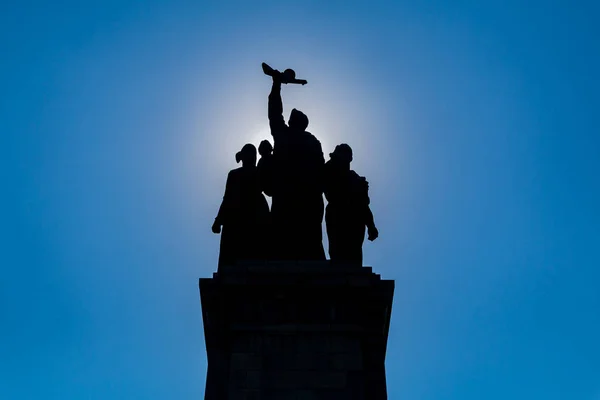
{"points": [[346, 361], [359, 280], [237, 379], [330, 380], [344, 344], [279, 394], [306, 360], [306, 395], [253, 380], [245, 361], [248, 395]]}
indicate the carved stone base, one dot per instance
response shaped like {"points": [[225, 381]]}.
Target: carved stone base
{"points": [[296, 331]]}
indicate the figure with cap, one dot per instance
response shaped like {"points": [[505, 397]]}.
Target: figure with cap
{"points": [[348, 212], [297, 192], [244, 213]]}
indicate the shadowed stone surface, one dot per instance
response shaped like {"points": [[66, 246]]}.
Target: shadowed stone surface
{"points": [[296, 331]]}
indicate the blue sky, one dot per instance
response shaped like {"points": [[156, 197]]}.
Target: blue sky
{"points": [[475, 122]]}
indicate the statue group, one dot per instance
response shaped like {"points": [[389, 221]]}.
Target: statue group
{"points": [[293, 172]]}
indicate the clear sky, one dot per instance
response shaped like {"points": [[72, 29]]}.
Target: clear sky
{"points": [[476, 122]]}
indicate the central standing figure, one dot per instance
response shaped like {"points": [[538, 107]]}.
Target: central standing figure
{"points": [[297, 188]]}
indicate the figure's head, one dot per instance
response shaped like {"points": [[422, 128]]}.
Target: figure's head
{"points": [[342, 154], [298, 120], [247, 155], [289, 75], [265, 148]]}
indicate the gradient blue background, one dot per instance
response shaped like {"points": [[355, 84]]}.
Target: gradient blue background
{"points": [[476, 123]]}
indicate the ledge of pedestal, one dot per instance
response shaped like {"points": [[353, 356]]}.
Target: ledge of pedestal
{"points": [[293, 273], [295, 296]]}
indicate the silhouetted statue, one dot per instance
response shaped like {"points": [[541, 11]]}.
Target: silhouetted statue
{"points": [[297, 165], [244, 213], [266, 167], [348, 211], [288, 76]]}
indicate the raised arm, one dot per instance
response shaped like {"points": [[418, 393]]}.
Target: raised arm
{"points": [[276, 121]]}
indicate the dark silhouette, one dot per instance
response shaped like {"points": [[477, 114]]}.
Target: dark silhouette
{"points": [[259, 318], [348, 211], [296, 176], [288, 76], [244, 213], [265, 167]]}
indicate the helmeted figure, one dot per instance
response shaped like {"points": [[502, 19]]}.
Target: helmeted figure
{"points": [[348, 212], [244, 213], [297, 208]]}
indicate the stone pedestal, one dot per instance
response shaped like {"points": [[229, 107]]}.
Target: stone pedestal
{"points": [[296, 331]]}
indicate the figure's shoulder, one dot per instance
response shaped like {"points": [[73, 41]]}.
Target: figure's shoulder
{"points": [[310, 137], [313, 143], [234, 173], [360, 180], [356, 176]]}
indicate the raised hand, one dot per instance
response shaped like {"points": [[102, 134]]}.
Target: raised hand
{"points": [[275, 74]]}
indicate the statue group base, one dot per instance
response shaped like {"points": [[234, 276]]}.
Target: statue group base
{"points": [[296, 331]]}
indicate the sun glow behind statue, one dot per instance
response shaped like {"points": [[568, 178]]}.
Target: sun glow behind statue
{"points": [[230, 109]]}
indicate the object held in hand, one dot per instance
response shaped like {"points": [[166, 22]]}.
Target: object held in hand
{"points": [[287, 76]]}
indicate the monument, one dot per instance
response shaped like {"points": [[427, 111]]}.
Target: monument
{"points": [[281, 321]]}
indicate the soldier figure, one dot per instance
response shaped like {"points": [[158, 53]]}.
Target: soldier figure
{"points": [[297, 208], [348, 211]]}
